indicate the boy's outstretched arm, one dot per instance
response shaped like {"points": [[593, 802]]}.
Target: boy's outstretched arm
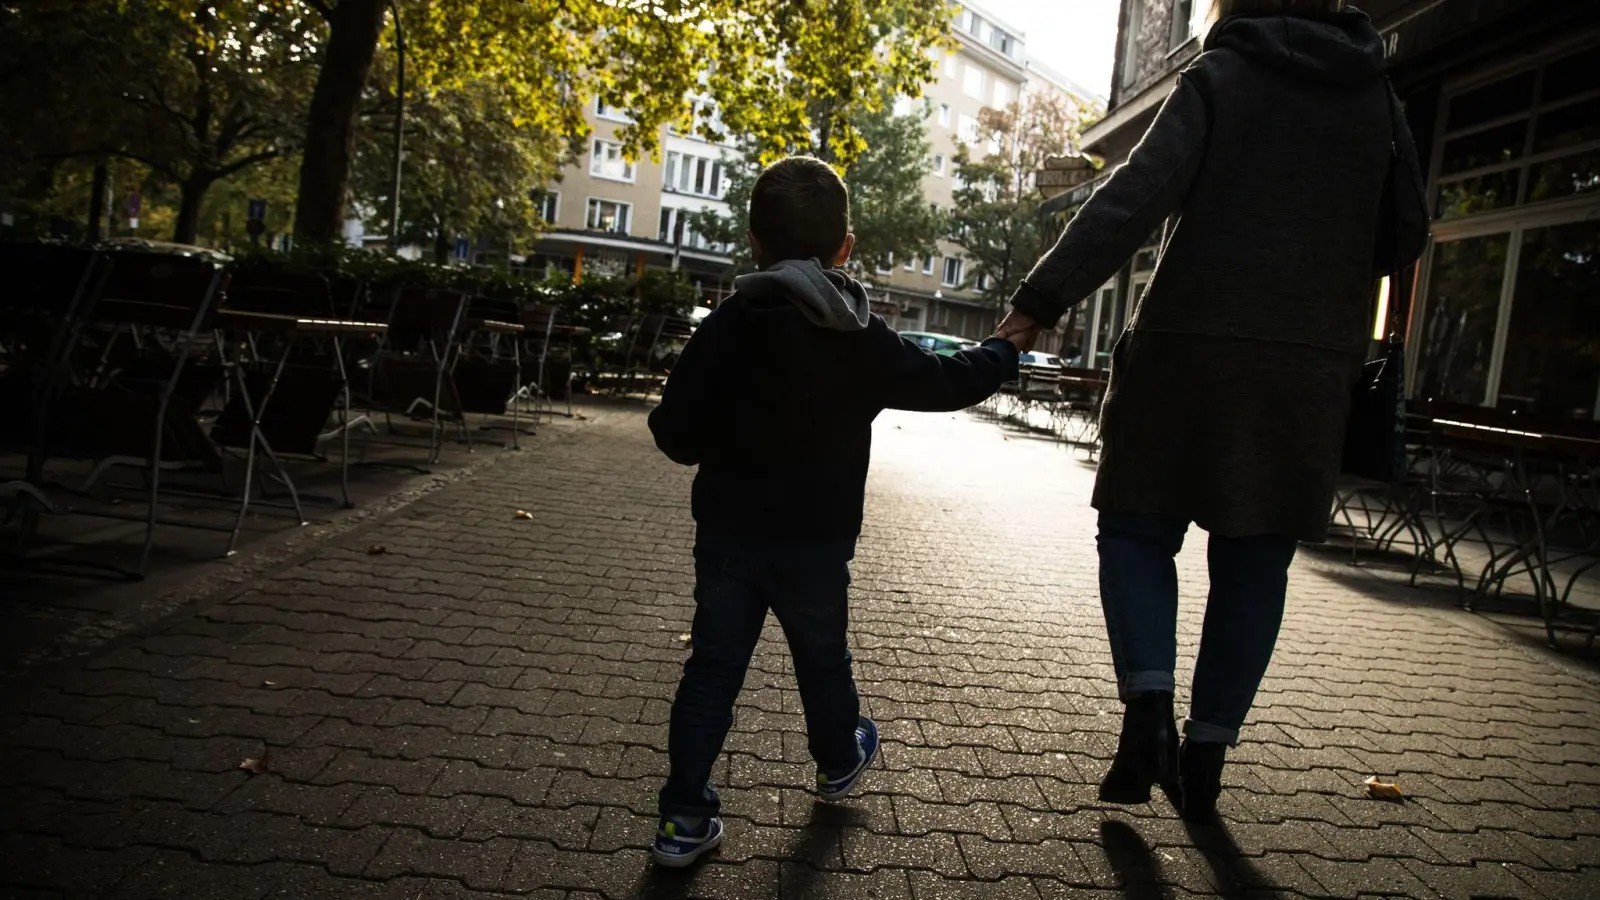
{"points": [[679, 423], [923, 381]]}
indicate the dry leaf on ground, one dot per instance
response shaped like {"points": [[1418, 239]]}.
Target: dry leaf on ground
{"points": [[377, 550], [1383, 790], [255, 766], [524, 514]]}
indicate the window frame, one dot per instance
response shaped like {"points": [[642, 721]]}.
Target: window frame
{"points": [[597, 162], [554, 199], [588, 214], [944, 275], [967, 81]]}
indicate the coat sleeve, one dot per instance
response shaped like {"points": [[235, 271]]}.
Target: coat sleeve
{"points": [[1119, 217], [679, 423], [916, 379]]}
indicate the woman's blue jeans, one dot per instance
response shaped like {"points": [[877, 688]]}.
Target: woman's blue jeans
{"points": [[1139, 594]]}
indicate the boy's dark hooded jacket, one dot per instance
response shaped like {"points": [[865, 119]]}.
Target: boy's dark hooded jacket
{"points": [[775, 395]]}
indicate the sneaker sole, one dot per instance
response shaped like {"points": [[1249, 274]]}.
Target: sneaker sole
{"points": [[855, 783], [679, 861]]}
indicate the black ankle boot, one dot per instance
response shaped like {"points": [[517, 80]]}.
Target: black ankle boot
{"points": [[1147, 752], [1200, 773]]}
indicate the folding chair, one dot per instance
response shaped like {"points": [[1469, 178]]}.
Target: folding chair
{"points": [[413, 365], [136, 404], [488, 371]]}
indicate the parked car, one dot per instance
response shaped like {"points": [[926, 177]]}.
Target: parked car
{"points": [[942, 344], [1036, 358]]}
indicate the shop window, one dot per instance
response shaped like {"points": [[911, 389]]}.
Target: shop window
{"points": [[1463, 306], [1551, 361]]}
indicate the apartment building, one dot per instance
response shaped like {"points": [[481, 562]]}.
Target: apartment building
{"points": [[1503, 98], [611, 216]]}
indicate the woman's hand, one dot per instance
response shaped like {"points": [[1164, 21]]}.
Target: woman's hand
{"points": [[1020, 329]]}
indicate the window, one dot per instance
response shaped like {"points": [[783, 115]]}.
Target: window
{"points": [[967, 130], [927, 265], [950, 65], [1182, 22], [911, 264], [672, 219], [952, 271], [972, 82], [608, 215], [983, 281], [605, 161], [938, 164], [902, 105], [1522, 139], [888, 265], [1130, 43], [944, 115], [610, 113], [549, 203], [1002, 94], [685, 173]]}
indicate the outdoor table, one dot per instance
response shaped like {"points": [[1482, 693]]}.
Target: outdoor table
{"points": [[1571, 454], [302, 435]]}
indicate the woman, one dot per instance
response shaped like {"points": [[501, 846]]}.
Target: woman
{"points": [[1231, 385]]}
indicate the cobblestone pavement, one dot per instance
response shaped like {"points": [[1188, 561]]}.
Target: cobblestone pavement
{"points": [[481, 709]]}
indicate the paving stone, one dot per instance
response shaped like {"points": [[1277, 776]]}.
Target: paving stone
{"points": [[484, 714]]}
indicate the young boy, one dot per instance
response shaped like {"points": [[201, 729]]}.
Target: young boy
{"points": [[774, 399]]}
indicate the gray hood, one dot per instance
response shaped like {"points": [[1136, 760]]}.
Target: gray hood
{"points": [[1342, 48], [828, 297]]}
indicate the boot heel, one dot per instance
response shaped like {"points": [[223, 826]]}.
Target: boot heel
{"points": [[1147, 751]]}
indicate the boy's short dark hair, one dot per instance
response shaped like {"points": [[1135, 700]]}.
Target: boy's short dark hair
{"points": [[799, 209]]}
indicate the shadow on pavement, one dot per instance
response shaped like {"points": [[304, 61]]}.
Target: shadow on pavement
{"points": [[1139, 868], [805, 871]]}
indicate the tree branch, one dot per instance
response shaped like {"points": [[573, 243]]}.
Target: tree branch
{"points": [[246, 162]]}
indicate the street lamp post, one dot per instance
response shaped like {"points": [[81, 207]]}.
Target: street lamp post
{"points": [[399, 128]]}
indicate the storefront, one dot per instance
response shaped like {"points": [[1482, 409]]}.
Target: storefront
{"points": [[1508, 296]]}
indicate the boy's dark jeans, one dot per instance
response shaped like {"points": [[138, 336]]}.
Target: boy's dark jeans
{"points": [[736, 582]]}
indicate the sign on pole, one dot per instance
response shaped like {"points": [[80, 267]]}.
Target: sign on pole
{"points": [[1063, 173], [257, 211], [131, 207], [463, 248]]}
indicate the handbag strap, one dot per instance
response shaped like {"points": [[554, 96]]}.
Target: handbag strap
{"points": [[1397, 167]]}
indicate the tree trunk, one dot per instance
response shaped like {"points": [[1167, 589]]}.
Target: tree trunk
{"points": [[191, 197], [354, 27]]}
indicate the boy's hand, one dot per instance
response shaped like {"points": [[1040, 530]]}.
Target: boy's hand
{"points": [[1020, 329], [1022, 340]]}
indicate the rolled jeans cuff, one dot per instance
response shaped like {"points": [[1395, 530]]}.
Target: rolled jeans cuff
{"points": [[1206, 733], [1146, 682]]}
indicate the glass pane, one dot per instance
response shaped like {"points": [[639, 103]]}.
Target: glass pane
{"points": [[1485, 148], [1568, 126], [1565, 177], [1145, 260], [1492, 101], [666, 225], [1475, 195], [1573, 75], [1552, 359], [1462, 305]]}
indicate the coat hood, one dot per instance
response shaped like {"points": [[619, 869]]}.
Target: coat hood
{"points": [[828, 297], [1342, 48]]}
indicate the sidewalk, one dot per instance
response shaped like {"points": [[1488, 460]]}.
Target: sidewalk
{"points": [[480, 710]]}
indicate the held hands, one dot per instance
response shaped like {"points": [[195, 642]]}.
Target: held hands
{"points": [[1020, 329]]}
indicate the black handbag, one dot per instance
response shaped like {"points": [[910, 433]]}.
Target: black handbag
{"points": [[1375, 433]]}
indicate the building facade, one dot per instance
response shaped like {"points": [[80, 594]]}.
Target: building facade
{"points": [[1503, 97], [611, 216]]}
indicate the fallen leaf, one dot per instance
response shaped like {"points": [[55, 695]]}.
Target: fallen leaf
{"points": [[1383, 790], [270, 683], [377, 550], [524, 514], [684, 638], [255, 766]]}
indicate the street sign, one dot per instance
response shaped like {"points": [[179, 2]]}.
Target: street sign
{"points": [[131, 207], [257, 211], [463, 248], [1063, 173]]}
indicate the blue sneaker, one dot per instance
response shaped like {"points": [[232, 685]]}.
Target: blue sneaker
{"points": [[838, 787], [677, 846]]}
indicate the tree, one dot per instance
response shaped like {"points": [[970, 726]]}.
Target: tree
{"points": [[195, 91], [995, 218], [473, 166], [890, 214], [779, 67]]}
